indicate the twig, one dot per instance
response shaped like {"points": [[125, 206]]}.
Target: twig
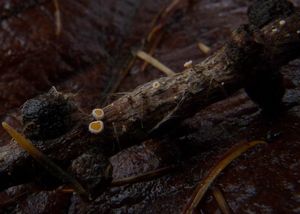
{"points": [[251, 59]]}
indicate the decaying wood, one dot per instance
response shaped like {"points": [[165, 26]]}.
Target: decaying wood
{"points": [[251, 59]]}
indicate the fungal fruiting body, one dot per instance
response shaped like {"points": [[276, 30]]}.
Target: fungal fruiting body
{"points": [[156, 84], [98, 113], [282, 22], [96, 127], [188, 64]]}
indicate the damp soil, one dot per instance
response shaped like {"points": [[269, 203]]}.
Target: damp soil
{"points": [[91, 59]]}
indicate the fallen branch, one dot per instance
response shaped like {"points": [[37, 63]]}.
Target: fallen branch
{"points": [[251, 59]]}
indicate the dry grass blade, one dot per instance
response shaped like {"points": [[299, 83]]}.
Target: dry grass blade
{"points": [[155, 63], [44, 160], [218, 195], [142, 177], [203, 186]]}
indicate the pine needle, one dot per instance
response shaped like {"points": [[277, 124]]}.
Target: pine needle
{"points": [[57, 18], [203, 186], [54, 169], [204, 48], [222, 203], [155, 63]]}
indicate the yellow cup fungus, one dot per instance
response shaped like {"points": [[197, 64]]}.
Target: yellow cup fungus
{"points": [[98, 113], [96, 127]]}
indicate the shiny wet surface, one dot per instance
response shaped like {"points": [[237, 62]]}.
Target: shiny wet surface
{"points": [[89, 57]]}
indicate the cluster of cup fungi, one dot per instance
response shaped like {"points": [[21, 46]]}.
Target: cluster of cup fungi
{"points": [[97, 126]]}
